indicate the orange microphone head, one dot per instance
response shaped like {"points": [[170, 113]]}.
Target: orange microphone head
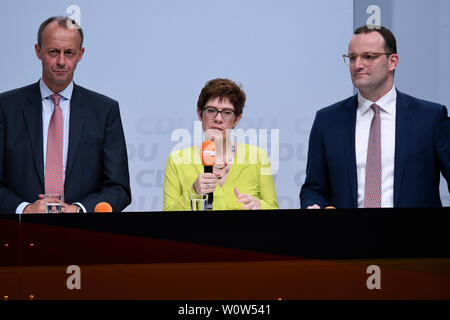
{"points": [[208, 153], [103, 207]]}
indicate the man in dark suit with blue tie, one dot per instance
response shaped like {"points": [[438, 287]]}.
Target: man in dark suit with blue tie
{"points": [[58, 137], [381, 147]]}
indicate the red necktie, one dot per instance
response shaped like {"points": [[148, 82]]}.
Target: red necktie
{"points": [[372, 190], [54, 182]]}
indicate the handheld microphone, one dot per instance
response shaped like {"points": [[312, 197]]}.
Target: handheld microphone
{"points": [[103, 207], [208, 161]]}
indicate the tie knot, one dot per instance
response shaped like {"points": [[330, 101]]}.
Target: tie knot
{"points": [[55, 98], [375, 108]]}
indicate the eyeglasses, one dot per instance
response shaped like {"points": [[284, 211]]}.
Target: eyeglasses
{"points": [[366, 57], [211, 113]]}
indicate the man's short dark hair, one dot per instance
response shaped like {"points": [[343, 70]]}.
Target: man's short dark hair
{"points": [[390, 44], [65, 22]]}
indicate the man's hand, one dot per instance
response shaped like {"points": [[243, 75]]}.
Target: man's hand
{"points": [[315, 206], [249, 201], [36, 207], [69, 208]]}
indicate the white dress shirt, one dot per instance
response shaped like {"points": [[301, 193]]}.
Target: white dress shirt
{"points": [[47, 111], [364, 117]]}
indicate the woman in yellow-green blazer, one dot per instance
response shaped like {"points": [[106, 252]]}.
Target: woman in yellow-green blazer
{"points": [[242, 176]]}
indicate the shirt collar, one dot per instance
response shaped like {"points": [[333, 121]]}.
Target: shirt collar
{"points": [[386, 102], [46, 92]]}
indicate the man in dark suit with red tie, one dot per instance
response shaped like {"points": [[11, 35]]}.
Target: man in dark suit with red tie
{"points": [[58, 137], [381, 147]]}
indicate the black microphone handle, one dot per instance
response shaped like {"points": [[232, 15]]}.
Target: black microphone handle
{"points": [[209, 169]]}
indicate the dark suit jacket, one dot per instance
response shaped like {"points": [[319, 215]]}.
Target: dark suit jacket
{"points": [[422, 151], [97, 164]]}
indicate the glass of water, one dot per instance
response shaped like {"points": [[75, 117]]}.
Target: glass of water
{"points": [[53, 203], [198, 202]]}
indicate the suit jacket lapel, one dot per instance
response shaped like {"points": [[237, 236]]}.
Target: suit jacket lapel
{"points": [[76, 127], [349, 145], [32, 114], [402, 132]]}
